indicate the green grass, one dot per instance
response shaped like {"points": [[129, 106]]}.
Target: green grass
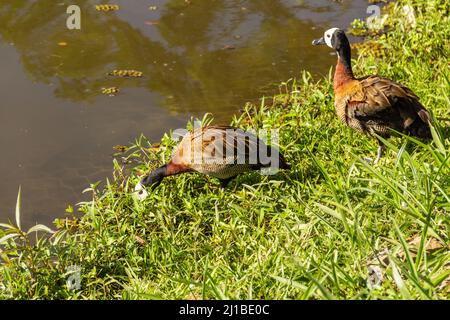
{"points": [[308, 233]]}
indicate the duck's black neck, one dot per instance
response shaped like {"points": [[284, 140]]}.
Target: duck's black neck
{"points": [[161, 172], [154, 178], [345, 55], [344, 71]]}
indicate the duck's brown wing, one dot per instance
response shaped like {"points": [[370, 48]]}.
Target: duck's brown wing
{"points": [[241, 148], [230, 146], [199, 132], [216, 144], [381, 104]]}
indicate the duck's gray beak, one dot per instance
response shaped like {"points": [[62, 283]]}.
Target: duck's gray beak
{"points": [[319, 41]]}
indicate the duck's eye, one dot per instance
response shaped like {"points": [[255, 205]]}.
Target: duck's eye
{"points": [[141, 192], [328, 36]]}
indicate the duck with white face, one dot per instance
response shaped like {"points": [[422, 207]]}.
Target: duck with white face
{"points": [[328, 38], [373, 105], [336, 39]]}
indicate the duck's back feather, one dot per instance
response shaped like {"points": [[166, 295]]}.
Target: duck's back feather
{"points": [[376, 105], [221, 151]]}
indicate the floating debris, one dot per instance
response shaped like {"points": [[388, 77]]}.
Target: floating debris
{"points": [[153, 8], [126, 73], [228, 47], [151, 22], [112, 91], [107, 7], [62, 44], [120, 148]]}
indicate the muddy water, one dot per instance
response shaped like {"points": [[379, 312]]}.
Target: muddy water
{"points": [[57, 129]]}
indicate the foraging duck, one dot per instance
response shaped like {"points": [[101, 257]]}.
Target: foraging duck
{"points": [[219, 151], [373, 105]]}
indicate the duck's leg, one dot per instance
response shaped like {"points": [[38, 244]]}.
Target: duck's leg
{"points": [[225, 182], [381, 149]]}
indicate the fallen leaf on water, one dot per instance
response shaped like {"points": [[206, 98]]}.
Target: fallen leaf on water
{"points": [[112, 91], [107, 7], [126, 73], [229, 47], [62, 44]]}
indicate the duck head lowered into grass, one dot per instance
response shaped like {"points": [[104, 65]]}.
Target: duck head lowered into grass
{"points": [[373, 105], [218, 151]]}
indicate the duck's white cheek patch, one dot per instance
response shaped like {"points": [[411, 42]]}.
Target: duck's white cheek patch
{"points": [[328, 40], [329, 35], [141, 192]]}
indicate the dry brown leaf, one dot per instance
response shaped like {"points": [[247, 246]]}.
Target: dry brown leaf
{"points": [[140, 240], [431, 245]]}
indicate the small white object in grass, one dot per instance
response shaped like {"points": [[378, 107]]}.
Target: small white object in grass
{"points": [[141, 192], [408, 11], [375, 277]]}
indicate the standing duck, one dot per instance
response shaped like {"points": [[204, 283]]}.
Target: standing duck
{"points": [[219, 151], [373, 105]]}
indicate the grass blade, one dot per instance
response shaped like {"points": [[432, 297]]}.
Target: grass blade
{"points": [[399, 281], [40, 227], [18, 208], [8, 236]]}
